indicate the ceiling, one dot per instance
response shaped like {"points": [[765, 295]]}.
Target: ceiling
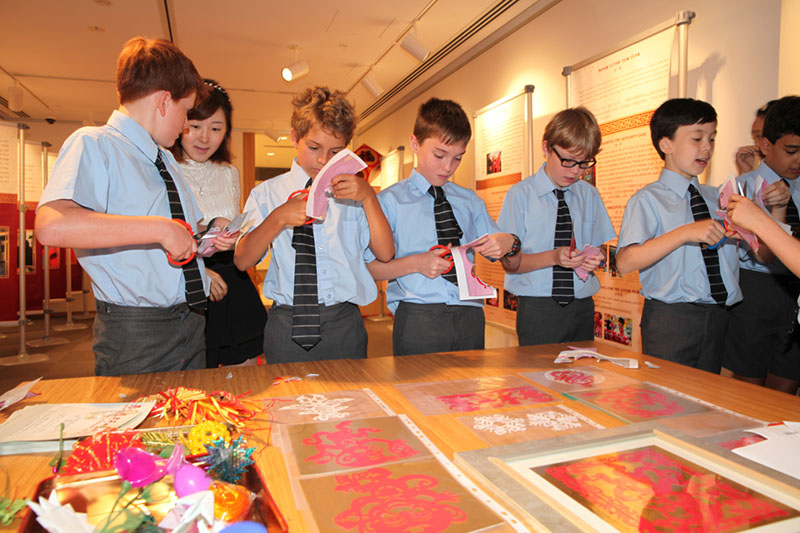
{"points": [[62, 53]]}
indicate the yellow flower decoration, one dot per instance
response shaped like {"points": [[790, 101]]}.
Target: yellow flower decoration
{"points": [[206, 433]]}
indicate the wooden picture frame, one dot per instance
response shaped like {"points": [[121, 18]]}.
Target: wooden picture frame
{"points": [[524, 477]]}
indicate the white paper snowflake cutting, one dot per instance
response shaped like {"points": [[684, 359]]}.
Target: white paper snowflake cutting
{"points": [[321, 407], [554, 420], [499, 424]]}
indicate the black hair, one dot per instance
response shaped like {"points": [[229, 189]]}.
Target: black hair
{"points": [[678, 112], [782, 118], [762, 111]]}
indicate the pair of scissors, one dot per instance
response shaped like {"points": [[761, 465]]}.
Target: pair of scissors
{"points": [[195, 237], [724, 237], [304, 192], [445, 253]]}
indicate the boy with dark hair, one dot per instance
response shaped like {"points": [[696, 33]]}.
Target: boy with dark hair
{"points": [[426, 210], [121, 202], [761, 346], [556, 213], [689, 278], [317, 276]]}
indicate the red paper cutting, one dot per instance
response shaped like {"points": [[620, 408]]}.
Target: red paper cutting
{"points": [[356, 449], [650, 489], [490, 399], [573, 377], [637, 401], [397, 504]]}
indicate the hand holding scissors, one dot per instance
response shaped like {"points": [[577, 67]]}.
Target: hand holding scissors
{"points": [[445, 253], [194, 247], [302, 193]]}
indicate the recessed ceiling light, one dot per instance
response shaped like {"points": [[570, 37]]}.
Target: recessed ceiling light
{"points": [[270, 153], [104, 3], [96, 28]]}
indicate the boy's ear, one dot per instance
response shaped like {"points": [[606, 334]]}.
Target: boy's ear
{"points": [[665, 144], [764, 145], [545, 149], [293, 136], [412, 140], [162, 101]]}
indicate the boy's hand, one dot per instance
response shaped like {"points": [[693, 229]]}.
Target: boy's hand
{"points": [[293, 212], [746, 158], [218, 288], [176, 241], [566, 258], [589, 265], [777, 195], [496, 245], [707, 231], [351, 187], [745, 213], [224, 242], [430, 265]]}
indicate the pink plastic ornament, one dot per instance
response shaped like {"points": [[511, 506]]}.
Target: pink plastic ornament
{"points": [[190, 479]]}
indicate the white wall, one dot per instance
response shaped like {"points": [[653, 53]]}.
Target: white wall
{"points": [[733, 63], [789, 73]]}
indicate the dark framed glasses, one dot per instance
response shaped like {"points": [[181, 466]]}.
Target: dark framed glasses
{"points": [[571, 163]]}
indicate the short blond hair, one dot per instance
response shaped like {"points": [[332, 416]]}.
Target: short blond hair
{"points": [[574, 129], [331, 110]]}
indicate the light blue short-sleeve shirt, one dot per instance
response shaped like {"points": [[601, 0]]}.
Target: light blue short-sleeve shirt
{"points": [[409, 209], [748, 181], [679, 276], [341, 241], [111, 169], [529, 212]]}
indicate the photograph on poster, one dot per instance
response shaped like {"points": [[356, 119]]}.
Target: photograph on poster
{"points": [[618, 329], [598, 324], [604, 264], [612, 262], [509, 300], [494, 302], [30, 256], [590, 176], [54, 258], [493, 163], [4, 252], [635, 478]]}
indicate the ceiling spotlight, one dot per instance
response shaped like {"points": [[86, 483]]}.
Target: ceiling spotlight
{"points": [[372, 86], [15, 94], [296, 70], [413, 46], [277, 135]]}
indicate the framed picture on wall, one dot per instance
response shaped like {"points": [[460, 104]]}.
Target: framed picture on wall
{"points": [[641, 477], [3, 251]]}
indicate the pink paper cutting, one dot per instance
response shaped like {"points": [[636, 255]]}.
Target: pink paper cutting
{"points": [[351, 449], [344, 162]]}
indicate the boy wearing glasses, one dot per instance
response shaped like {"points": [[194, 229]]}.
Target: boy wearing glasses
{"points": [[556, 214]]}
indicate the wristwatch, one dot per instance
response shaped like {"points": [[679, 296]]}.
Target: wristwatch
{"points": [[515, 248]]}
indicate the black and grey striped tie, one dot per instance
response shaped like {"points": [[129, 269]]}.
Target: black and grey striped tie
{"points": [[792, 217], [710, 257], [563, 287], [448, 231], [305, 312], [195, 293]]}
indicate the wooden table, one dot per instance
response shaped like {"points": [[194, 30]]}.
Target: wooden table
{"points": [[380, 374]]}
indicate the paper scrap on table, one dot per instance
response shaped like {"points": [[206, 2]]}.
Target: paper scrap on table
{"points": [[726, 190], [344, 162], [569, 356], [20, 392], [590, 252], [36, 427], [779, 451], [470, 286]]}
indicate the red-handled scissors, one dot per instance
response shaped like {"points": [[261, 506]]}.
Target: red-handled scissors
{"points": [[191, 232], [309, 220], [445, 253]]}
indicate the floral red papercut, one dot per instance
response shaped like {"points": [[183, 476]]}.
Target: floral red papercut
{"points": [[393, 505], [651, 490], [356, 449], [637, 401], [490, 399], [743, 441], [573, 377]]}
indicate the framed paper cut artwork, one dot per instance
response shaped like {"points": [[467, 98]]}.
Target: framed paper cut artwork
{"points": [[528, 424], [710, 423], [641, 477], [335, 405], [469, 395], [641, 403], [417, 496], [575, 378], [346, 444]]}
